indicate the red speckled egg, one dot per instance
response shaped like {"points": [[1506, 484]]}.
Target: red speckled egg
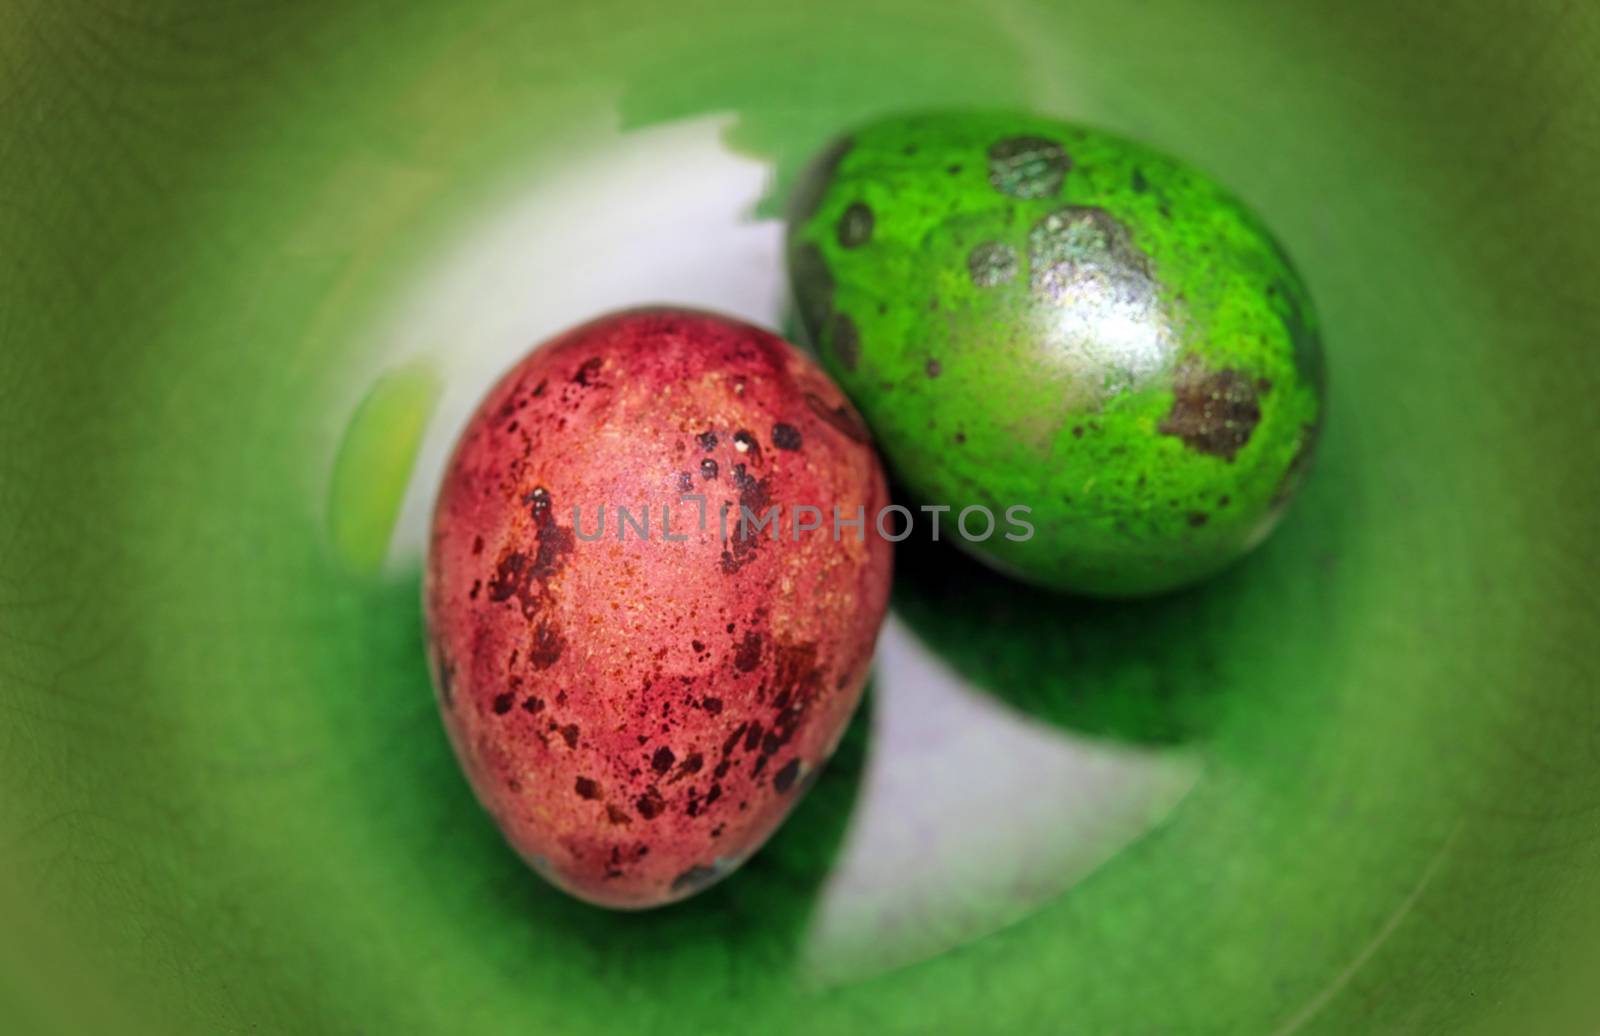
{"points": [[640, 698]]}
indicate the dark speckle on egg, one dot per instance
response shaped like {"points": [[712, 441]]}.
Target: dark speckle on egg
{"points": [[855, 226], [1027, 166], [992, 263], [1213, 412], [845, 341], [784, 779]]}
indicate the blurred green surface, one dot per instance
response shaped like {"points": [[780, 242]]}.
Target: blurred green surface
{"points": [[226, 804]]}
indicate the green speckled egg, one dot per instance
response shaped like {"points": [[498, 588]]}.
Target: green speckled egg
{"points": [[1032, 313]]}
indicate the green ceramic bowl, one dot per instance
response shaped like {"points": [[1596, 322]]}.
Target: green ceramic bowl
{"points": [[259, 261]]}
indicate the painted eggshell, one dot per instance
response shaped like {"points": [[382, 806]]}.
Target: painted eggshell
{"points": [[639, 699], [1035, 314]]}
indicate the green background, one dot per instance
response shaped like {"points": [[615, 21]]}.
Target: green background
{"points": [[225, 801]]}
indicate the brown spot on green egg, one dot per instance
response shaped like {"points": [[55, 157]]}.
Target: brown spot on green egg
{"points": [[855, 226], [992, 263], [1027, 166], [1078, 251], [1213, 412], [845, 340]]}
